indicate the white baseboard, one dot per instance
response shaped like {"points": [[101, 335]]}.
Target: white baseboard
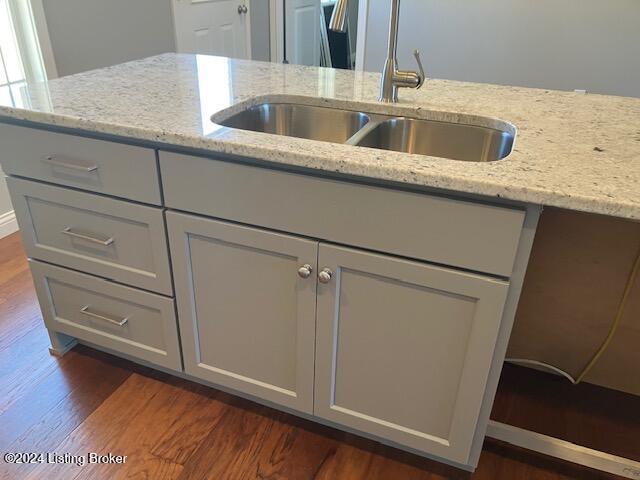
{"points": [[8, 224]]}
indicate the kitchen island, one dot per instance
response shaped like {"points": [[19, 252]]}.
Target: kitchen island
{"points": [[369, 289]]}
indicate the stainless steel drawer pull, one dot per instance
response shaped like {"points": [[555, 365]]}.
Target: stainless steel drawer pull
{"points": [[58, 162], [120, 323], [105, 243]]}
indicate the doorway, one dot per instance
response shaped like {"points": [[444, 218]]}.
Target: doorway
{"points": [[213, 27]]}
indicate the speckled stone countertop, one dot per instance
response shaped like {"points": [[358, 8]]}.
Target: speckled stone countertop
{"points": [[574, 151]]}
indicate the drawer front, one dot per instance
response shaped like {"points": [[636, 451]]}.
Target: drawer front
{"points": [[120, 318], [111, 238], [85, 163], [437, 229]]}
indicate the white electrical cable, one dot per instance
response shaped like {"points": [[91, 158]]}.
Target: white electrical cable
{"points": [[526, 361]]}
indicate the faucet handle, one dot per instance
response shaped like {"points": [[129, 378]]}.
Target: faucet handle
{"points": [[422, 76]]}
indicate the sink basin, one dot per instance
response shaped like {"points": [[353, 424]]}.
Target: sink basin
{"points": [[435, 138], [297, 120], [439, 139]]}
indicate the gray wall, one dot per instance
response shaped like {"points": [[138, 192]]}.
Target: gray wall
{"points": [[558, 44], [260, 34], [87, 34]]}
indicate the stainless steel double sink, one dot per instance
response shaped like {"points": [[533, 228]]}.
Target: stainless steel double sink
{"points": [[436, 138]]}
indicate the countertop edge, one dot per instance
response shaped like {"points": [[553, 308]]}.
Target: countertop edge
{"points": [[132, 133]]}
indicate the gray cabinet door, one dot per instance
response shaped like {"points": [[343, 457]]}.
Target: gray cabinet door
{"points": [[247, 319], [404, 349]]}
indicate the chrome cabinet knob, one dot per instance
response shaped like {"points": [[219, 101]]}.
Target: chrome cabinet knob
{"points": [[325, 275], [305, 271], [242, 9]]}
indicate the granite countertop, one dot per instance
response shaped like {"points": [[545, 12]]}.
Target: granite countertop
{"points": [[574, 151]]}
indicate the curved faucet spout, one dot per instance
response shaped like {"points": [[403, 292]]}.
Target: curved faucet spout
{"points": [[392, 78]]}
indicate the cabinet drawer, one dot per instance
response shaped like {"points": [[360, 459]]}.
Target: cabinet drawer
{"points": [[85, 163], [438, 229], [111, 238], [120, 318]]}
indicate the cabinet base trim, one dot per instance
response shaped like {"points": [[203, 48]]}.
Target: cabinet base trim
{"points": [[564, 450], [58, 349], [267, 403]]}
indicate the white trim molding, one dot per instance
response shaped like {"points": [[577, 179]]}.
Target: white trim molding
{"points": [[276, 24], [8, 224], [276, 30], [44, 40], [564, 450], [361, 42], [32, 36]]}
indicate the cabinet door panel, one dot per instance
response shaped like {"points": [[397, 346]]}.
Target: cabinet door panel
{"points": [[404, 349], [247, 319]]}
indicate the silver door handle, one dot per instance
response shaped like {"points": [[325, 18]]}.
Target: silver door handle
{"points": [[119, 323], [242, 9], [104, 242], [59, 162]]}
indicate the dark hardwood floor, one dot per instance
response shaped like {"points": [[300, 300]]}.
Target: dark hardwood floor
{"points": [[169, 428]]}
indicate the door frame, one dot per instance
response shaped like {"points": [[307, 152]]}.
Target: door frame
{"points": [[276, 24], [361, 42], [247, 33], [44, 39], [276, 30], [29, 21]]}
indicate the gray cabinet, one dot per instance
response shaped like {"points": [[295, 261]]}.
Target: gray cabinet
{"points": [[404, 349], [247, 318]]}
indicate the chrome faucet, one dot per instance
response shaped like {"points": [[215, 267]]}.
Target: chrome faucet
{"points": [[392, 77]]}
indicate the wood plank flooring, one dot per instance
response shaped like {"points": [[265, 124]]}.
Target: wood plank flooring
{"points": [[170, 428]]}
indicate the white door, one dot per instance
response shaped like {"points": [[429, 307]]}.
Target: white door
{"points": [[303, 32], [213, 27]]}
